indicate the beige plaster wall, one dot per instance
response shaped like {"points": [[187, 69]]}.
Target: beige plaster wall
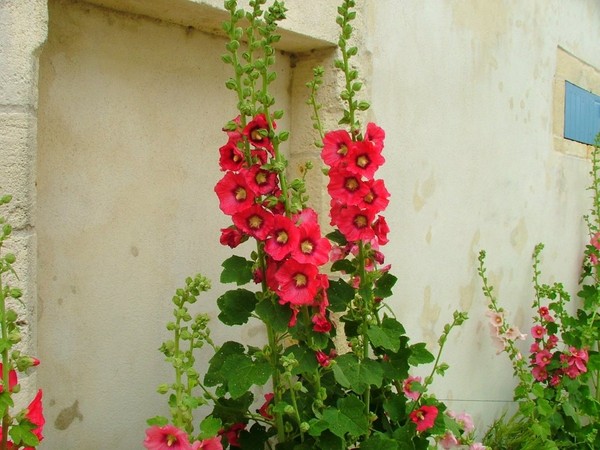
{"points": [[465, 93]]}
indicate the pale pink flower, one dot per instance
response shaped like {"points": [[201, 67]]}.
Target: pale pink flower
{"points": [[595, 241], [477, 446], [513, 333], [465, 421], [496, 318], [407, 387], [448, 441]]}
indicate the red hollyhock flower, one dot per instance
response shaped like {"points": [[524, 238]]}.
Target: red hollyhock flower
{"points": [[322, 358], [381, 229], [306, 215], [168, 437], [264, 409], [376, 196], [255, 221], [231, 157], [346, 187], [260, 180], [298, 283], [232, 237], [312, 248], [363, 159], [355, 223], [233, 434], [237, 132], [12, 379], [234, 193], [335, 147], [35, 414], [320, 323], [424, 417], [376, 135], [257, 132], [282, 238]]}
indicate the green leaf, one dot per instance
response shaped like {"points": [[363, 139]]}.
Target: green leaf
{"points": [[307, 361], [159, 421], [337, 237], [233, 410], [21, 434], [242, 372], [384, 285], [339, 294], [348, 418], [277, 316], [419, 355], [255, 438], [357, 375], [236, 270], [214, 374], [386, 336], [343, 265], [395, 407], [236, 306], [379, 442], [210, 427]]}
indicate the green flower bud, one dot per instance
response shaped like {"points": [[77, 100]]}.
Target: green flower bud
{"points": [[304, 427], [163, 388]]}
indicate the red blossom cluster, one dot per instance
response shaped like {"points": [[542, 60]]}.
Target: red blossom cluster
{"points": [[357, 197], [250, 192], [547, 361]]}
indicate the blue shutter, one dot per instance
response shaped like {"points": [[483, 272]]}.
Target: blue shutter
{"points": [[582, 114]]}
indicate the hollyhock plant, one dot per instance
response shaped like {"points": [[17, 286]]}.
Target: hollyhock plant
{"points": [[334, 355]]}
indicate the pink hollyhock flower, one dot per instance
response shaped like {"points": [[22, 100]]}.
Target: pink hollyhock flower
{"points": [[577, 362], [231, 157], [355, 224], [498, 340], [448, 441], [534, 348], [255, 221], [234, 193], [264, 409], [363, 159], [539, 373], [555, 380], [306, 215], [376, 196], [168, 437], [346, 187], [12, 379], [544, 313], [312, 248], [552, 341], [261, 181], [257, 132], [595, 241], [282, 238], [233, 434], [231, 237], [298, 283], [407, 387], [538, 332], [237, 125], [335, 147], [375, 135], [208, 444], [543, 358], [424, 417]]}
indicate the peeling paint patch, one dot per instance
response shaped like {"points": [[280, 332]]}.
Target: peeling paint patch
{"points": [[518, 237], [66, 417], [429, 317], [423, 192]]}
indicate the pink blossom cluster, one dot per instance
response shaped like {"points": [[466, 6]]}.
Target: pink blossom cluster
{"points": [[357, 197], [250, 192], [465, 422], [502, 334], [169, 437], [547, 361], [594, 249]]}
